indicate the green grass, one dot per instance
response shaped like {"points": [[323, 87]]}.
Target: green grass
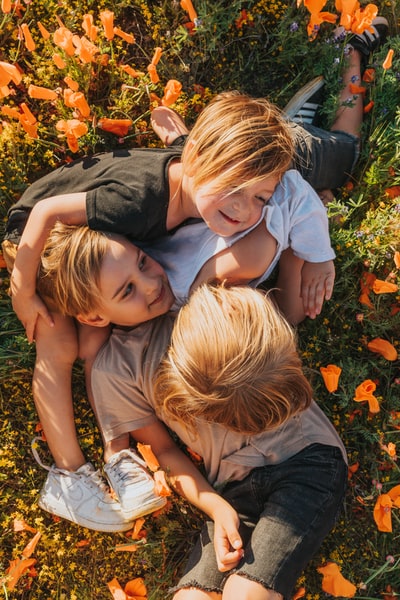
{"points": [[266, 54]]}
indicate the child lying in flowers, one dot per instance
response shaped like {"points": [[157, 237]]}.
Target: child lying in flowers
{"points": [[229, 383], [147, 193]]}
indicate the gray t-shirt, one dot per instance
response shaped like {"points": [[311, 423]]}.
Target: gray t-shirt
{"points": [[122, 382]]}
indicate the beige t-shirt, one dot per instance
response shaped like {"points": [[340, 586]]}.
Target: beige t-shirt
{"points": [[124, 401]]}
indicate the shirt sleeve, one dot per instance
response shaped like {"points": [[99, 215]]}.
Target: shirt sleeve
{"points": [[309, 227]]}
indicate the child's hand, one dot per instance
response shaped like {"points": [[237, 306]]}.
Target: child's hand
{"points": [[317, 281], [227, 541], [28, 309]]}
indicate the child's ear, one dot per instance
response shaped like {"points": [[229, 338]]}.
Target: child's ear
{"points": [[93, 320]]}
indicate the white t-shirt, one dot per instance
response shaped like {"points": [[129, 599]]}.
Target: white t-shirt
{"points": [[294, 216]]}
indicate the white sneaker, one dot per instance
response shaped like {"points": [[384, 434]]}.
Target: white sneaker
{"points": [[133, 485], [82, 497]]}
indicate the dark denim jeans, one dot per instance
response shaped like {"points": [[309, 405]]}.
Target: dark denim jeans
{"points": [[286, 511]]}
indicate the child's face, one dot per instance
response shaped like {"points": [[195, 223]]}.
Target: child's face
{"points": [[134, 287], [229, 211]]}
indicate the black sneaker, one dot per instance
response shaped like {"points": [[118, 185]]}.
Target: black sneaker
{"points": [[303, 107], [369, 41]]}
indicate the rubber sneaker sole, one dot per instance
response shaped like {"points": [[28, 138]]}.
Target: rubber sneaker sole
{"points": [[302, 97], [146, 508]]}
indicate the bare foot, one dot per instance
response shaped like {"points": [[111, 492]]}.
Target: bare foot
{"points": [[167, 124]]}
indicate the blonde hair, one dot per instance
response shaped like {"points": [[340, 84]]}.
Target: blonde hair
{"points": [[69, 272], [233, 361], [237, 140]]}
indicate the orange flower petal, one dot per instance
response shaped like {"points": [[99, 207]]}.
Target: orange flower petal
{"points": [[172, 92], [30, 547], [22, 525], [41, 93], [16, 569], [154, 78], [43, 31], [334, 583], [156, 56], [383, 513], [116, 590], [300, 593], [73, 85], [132, 72], [369, 75], [396, 256], [118, 126], [148, 456], [107, 19], [393, 192], [384, 287], [29, 43], [161, 486], [9, 73], [136, 589], [128, 37], [365, 299], [137, 528], [6, 6], [89, 28], [188, 6], [368, 107], [62, 37], [383, 347], [59, 61], [330, 375], [357, 89], [387, 63], [131, 547]]}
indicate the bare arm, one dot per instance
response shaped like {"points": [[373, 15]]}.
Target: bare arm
{"points": [[67, 208], [189, 483], [245, 260]]}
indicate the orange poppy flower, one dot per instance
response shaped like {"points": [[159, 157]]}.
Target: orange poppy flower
{"points": [[367, 281], [363, 17], [353, 469], [188, 6], [368, 107], [6, 6], [41, 93], [21, 525], [393, 192], [134, 589], [383, 347], [384, 287], [78, 100], [27, 114], [172, 92], [43, 31], [387, 63], [62, 37], [152, 70], [89, 28], [365, 299], [9, 73], [73, 130], [357, 89], [330, 375], [300, 593], [334, 583], [383, 513], [73, 85], [17, 568], [128, 37], [369, 75], [118, 126], [161, 487], [365, 393], [107, 19], [156, 56], [396, 258], [29, 43], [59, 61], [148, 456], [85, 49], [132, 72]]}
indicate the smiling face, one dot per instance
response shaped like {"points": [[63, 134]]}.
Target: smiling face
{"points": [[134, 288], [230, 211]]}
